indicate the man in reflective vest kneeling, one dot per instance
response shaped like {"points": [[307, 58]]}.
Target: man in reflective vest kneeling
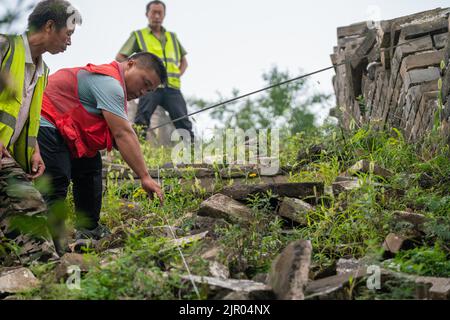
{"points": [[84, 111]]}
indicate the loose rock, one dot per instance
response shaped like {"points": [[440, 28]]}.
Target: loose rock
{"points": [[218, 270], [74, 259], [290, 270], [291, 190], [417, 220], [394, 243], [255, 289], [433, 288], [332, 288], [17, 280], [295, 210], [345, 186], [224, 207], [365, 166]]}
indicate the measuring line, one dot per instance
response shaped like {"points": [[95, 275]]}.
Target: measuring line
{"points": [[279, 84]]}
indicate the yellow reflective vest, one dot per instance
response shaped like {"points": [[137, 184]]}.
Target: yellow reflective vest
{"points": [[170, 54], [11, 101]]}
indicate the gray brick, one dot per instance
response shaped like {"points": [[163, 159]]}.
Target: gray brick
{"points": [[352, 30], [440, 40], [421, 60], [419, 76]]}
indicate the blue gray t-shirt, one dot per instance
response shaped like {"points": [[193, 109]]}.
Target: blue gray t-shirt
{"points": [[98, 92]]}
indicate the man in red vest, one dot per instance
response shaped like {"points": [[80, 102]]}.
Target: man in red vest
{"points": [[84, 111]]}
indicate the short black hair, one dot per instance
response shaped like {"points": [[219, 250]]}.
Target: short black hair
{"points": [[58, 11], [151, 61], [155, 2]]}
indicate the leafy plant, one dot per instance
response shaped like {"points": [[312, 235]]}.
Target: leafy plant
{"points": [[425, 261]]}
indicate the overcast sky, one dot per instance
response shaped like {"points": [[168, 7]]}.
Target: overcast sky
{"points": [[231, 43]]}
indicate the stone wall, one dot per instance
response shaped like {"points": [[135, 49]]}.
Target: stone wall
{"points": [[388, 73]]}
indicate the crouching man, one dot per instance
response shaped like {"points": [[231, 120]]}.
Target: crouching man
{"points": [[84, 111]]}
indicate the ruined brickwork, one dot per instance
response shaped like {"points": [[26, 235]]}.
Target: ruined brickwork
{"points": [[388, 73]]}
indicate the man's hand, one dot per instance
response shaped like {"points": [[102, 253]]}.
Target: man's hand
{"points": [[128, 144], [3, 153], [37, 166], [151, 187]]}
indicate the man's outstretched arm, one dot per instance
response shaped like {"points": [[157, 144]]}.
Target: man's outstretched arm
{"points": [[130, 149]]}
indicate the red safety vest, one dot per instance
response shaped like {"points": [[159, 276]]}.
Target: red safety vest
{"points": [[84, 133]]}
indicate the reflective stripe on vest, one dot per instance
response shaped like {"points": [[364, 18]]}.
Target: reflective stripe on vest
{"points": [[170, 54], [10, 103]]}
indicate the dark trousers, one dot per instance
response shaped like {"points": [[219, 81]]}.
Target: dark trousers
{"points": [[85, 174], [171, 100]]}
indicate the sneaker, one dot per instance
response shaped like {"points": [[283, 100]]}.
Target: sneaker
{"points": [[95, 234]]}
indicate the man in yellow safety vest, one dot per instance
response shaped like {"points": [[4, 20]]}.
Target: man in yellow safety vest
{"points": [[50, 27], [164, 44]]}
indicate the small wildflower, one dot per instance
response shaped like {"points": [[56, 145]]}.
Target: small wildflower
{"points": [[140, 192]]}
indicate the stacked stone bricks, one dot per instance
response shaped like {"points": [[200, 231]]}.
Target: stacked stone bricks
{"points": [[388, 72]]}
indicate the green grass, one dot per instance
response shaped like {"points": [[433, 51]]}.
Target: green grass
{"points": [[351, 225], [425, 261]]}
